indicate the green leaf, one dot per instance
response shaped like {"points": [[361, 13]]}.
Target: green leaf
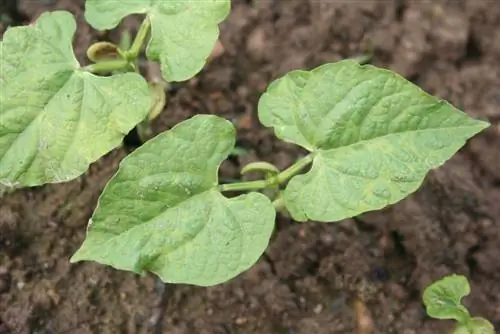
{"points": [[443, 298], [103, 51], [162, 211], [373, 134], [55, 117], [475, 325], [159, 100], [461, 329], [183, 32]]}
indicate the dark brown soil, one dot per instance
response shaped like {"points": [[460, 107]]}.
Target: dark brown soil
{"points": [[363, 275]]}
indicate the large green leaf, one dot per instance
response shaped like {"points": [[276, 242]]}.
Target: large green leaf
{"points": [[162, 211], [55, 118], [374, 136], [443, 298], [183, 32]]}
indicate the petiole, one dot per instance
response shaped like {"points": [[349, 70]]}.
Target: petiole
{"points": [[274, 181]]}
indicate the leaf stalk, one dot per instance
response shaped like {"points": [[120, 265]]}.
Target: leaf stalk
{"points": [[129, 56], [108, 66], [139, 40], [274, 181]]}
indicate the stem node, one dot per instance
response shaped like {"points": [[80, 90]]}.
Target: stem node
{"points": [[271, 182]]}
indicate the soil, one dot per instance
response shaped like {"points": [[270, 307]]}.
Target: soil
{"points": [[363, 275]]}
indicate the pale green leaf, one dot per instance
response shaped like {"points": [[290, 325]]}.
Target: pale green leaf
{"points": [[475, 325], [183, 32], [461, 329], [374, 136], [443, 298], [103, 51], [162, 211], [56, 118]]}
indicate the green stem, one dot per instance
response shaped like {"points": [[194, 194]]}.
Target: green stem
{"points": [[245, 186], [295, 168], [270, 182], [108, 66], [279, 203], [260, 166], [139, 40]]}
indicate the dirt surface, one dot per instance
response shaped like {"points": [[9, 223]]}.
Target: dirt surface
{"points": [[363, 275]]}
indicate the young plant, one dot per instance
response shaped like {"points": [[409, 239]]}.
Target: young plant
{"points": [[57, 117], [443, 300], [371, 137]]}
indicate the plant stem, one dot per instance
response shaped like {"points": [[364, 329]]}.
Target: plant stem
{"points": [[108, 66], [295, 168], [279, 203], [270, 182], [135, 49], [260, 166], [129, 55], [245, 186]]}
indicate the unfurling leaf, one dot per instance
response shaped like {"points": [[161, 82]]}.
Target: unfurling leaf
{"points": [[103, 51], [162, 211], [374, 136], [158, 100], [183, 32], [56, 118]]}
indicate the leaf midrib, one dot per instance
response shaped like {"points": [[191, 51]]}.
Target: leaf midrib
{"points": [[398, 133]]}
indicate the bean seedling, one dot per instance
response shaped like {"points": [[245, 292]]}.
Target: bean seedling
{"points": [[443, 300], [371, 136], [57, 116]]}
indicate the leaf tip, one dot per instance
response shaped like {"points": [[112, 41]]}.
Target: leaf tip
{"points": [[77, 257], [483, 125]]}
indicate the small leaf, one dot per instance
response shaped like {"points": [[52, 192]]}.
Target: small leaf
{"points": [[159, 99], [103, 51], [183, 32], [56, 118], [162, 211], [374, 136], [478, 325], [158, 102], [461, 329], [442, 299]]}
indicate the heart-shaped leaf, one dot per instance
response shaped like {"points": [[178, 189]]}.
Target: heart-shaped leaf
{"points": [[443, 298], [373, 134], [162, 211], [50, 107], [183, 32]]}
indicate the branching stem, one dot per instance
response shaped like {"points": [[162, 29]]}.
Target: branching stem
{"points": [[272, 181], [139, 40], [130, 56]]}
